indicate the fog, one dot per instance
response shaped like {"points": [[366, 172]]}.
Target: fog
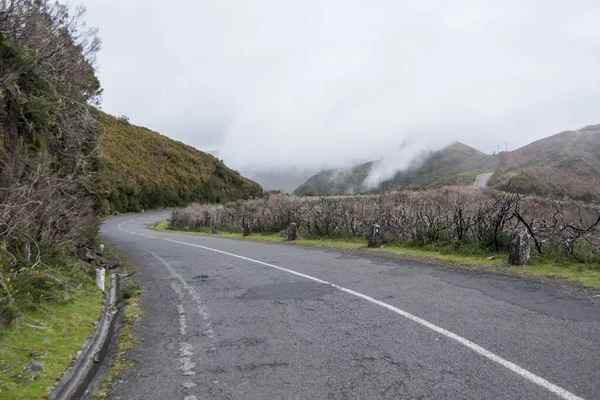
{"points": [[300, 85]]}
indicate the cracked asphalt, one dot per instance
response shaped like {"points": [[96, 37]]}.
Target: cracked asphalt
{"points": [[220, 325]]}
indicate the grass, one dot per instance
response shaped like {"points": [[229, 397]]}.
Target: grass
{"points": [[52, 336], [132, 294], [466, 258]]}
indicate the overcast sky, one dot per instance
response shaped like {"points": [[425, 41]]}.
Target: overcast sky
{"points": [[279, 83]]}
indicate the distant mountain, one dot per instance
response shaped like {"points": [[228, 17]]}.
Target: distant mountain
{"points": [[282, 179], [456, 164], [565, 164], [336, 181], [141, 169]]}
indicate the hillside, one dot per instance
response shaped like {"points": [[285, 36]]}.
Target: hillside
{"points": [[565, 164], [455, 165], [336, 181], [141, 169]]}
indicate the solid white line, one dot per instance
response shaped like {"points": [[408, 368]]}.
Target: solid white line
{"points": [[473, 346]]}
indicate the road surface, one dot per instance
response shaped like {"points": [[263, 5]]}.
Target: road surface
{"points": [[232, 319], [483, 179]]}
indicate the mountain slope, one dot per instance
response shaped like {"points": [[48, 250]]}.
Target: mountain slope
{"points": [[456, 164], [565, 164], [141, 169], [336, 181]]}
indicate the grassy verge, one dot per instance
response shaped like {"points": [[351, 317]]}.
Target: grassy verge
{"points": [[52, 336], [466, 258], [132, 295]]}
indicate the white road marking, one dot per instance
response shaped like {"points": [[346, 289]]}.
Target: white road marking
{"points": [[202, 309], [152, 237], [190, 398], [473, 346], [141, 234], [185, 350], [182, 325], [187, 364]]}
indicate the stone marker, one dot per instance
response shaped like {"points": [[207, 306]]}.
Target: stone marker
{"points": [[292, 232], [33, 367], [375, 236], [520, 246], [100, 273], [246, 227]]}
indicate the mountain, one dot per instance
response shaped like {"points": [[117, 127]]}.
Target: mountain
{"points": [[456, 164], [141, 169], [336, 181], [565, 164], [284, 179]]}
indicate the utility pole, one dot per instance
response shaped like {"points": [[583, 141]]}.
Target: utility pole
{"points": [[505, 146]]}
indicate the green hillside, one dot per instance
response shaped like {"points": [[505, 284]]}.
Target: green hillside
{"points": [[141, 169], [565, 164], [455, 165], [336, 181]]}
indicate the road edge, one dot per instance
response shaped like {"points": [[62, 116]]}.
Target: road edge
{"points": [[75, 380]]}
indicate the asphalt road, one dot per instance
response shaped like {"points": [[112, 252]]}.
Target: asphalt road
{"points": [[232, 319], [483, 179]]}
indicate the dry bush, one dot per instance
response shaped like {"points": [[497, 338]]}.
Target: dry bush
{"points": [[452, 215]]}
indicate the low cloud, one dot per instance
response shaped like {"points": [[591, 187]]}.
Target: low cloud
{"points": [[276, 84]]}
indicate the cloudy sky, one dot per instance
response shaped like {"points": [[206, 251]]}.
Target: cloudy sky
{"points": [[282, 83]]}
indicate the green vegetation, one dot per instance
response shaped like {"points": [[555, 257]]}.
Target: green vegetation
{"points": [[336, 181], [141, 169], [52, 334], [132, 294], [464, 257], [455, 165]]}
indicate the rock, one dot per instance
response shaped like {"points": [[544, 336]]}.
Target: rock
{"points": [[491, 258], [215, 229], [292, 232], [520, 248], [246, 229], [375, 236], [33, 367], [46, 340], [86, 255]]}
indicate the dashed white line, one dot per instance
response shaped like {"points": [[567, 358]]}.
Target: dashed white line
{"points": [[563, 393], [152, 237], [182, 324], [190, 398]]}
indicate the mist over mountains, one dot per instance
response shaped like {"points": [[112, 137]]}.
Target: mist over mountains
{"points": [[563, 165]]}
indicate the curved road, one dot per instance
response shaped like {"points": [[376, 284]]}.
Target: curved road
{"points": [[232, 319], [483, 179]]}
